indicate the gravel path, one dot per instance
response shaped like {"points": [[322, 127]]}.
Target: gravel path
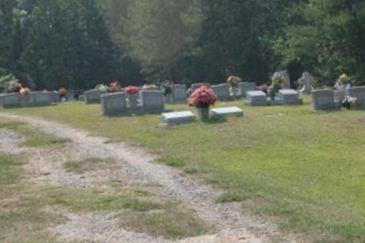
{"points": [[232, 224]]}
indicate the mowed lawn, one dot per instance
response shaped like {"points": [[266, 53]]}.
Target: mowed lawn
{"points": [[305, 169]]}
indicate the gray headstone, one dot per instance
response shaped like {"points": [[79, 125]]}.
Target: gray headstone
{"points": [[323, 99], [27, 100], [93, 96], [244, 87], [176, 118], [227, 111], [359, 93], [113, 104], [152, 101], [55, 97], [197, 86], [41, 98], [288, 97], [179, 93], [256, 98], [10, 100], [221, 91], [339, 95]]}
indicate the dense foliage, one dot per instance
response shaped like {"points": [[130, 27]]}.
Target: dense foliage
{"points": [[79, 44]]}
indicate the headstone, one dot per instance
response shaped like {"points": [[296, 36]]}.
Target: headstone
{"points": [[288, 97], [113, 104], [133, 103], [244, 87], [283, 75], [307, 82], [10, 100], [70, 95], [339, 95], [323, 99], [227, 111], [152, 101], [176, 118], [92, 96], [27, 100], [179, 93], [221, 91], [196, 86], [256, 98], [41, 98], [359, 94], [55, 97]]}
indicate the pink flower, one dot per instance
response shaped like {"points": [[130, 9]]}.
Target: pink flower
{"points": [[131, 90], [203, 97]]}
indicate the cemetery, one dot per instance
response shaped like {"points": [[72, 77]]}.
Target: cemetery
{"points": [[169, 121], [254, 133]]}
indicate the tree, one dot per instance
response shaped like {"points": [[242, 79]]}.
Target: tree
{"points": [[329, 41]]}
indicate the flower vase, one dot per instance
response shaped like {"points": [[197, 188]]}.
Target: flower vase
{"points": [[133, 101], [203, 113]]}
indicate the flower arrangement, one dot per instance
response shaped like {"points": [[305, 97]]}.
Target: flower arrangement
{"points": [[264, 88], [344, 79], [24, 92], [233, 81], [203, 97], [114, 87], [130, 90], [14, 86], [62, 92], [276, 85], [348, 102], [102, 88]]}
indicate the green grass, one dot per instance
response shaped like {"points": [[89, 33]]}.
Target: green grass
{"points": [[171, 223], [231, 196], [10, 170], [303, 167], [33, 137], [80, 167], [17, 223]]}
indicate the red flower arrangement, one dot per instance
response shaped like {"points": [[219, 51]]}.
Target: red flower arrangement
{"points": [[203, 97], [62, 91], [114, 87], [130, 90]]}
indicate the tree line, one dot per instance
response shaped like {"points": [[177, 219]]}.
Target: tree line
{"points": [[79, 44]]}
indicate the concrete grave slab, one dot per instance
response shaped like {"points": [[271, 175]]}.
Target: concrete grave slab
{"points": [[226, 111], [176, 118]]}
